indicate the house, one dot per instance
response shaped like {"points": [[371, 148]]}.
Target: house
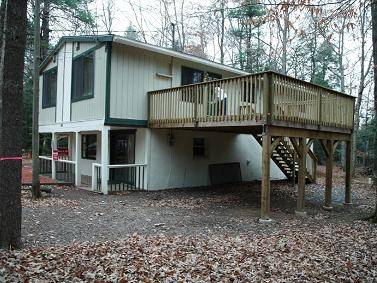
{"points": [[138, 116]]}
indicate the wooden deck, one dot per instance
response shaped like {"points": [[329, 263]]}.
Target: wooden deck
{"points": [[284, 114], [259, 99]]}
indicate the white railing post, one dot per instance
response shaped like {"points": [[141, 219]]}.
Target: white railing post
{"points": [[77, 158], [53, 162], [105, 160]]}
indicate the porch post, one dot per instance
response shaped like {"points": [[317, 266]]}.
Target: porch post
{"points": [[300, 211], [348, 197], [77, 158], [54, 144], [265, 194], [329, 169], [105, 160]]}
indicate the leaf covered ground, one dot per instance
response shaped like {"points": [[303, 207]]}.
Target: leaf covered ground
{"points": [[194, 235]]}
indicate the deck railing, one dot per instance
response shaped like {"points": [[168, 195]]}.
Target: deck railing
{"points": [[262, 97]]}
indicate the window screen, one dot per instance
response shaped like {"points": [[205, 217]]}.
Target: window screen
{"points": [[49, 88], [89, 146], [83, 77], [191, 76]]}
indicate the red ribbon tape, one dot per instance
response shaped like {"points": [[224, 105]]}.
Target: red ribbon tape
{"points": [[10, 158]]}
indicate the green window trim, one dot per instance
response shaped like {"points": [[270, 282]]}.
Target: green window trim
{"points": [[46, 80], [81, 83]]}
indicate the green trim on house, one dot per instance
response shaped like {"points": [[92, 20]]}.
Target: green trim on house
{"points": [[64, 39], [90, 50], [125, 122], [44, 106], [81, 98], [108, 80]]}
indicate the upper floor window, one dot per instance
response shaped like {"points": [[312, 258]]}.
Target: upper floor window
{"points": [[83, 77], [49, 88], [191, 76]]}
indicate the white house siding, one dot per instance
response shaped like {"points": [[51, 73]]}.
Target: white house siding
{"points": [[174, 166], [93, 108], [134, 72]]}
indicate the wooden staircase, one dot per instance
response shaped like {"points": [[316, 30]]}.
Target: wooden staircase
{"points": [[284, 157]]}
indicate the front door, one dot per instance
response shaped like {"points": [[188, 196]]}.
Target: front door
{"points": [[122, 151]]}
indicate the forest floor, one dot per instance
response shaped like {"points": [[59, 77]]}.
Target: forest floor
{"points": [[200, 234]]}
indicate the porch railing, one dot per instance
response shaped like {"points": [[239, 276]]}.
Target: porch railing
{"points": [[122, 177], [65, 170], [262, 97], [96, 177], [45, 165]]}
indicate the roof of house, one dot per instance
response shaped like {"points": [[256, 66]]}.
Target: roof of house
{"points": [[141, 45]]}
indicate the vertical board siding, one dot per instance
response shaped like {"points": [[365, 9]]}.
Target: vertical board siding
{"points": [[135, 72]]}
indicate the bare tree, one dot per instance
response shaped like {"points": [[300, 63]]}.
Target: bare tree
{"points": [[374, 38], [107, 15]]}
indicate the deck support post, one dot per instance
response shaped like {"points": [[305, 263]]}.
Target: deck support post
{"points": [[347, 197], [77, 158], [105, 160], [265, 195], [329, 169], [301, 177], [54, 145]]}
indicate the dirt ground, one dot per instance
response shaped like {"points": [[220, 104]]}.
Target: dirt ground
{"points": [[70, 217]]}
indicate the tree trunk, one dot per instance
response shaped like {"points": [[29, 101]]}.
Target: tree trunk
{"points": [[361, 87], [12, 51], [222, 35], [36, 186], [45, 29], [374, 39]]}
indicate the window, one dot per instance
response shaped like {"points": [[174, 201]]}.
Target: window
{"points": [[89, 147], [83, 77], [198, 147], [191, 76], [49, 88], [213, 76]]}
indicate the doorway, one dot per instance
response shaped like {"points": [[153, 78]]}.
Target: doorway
{"points": [[122, 151]]}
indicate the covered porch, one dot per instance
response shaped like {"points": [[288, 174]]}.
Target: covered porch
{"points": [[86, 158]]}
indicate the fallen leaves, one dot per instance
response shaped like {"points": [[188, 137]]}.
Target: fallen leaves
{"points": [[47, 200], [332, 253]]}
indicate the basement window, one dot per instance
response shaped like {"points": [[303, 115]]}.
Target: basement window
{"points": [[89, 146], [83, 77], [49, 88], [198, 147]]}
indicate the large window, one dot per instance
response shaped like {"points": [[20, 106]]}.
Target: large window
{"points": [[89, 146], [49, 88], [83, 77], [191, 76]]}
